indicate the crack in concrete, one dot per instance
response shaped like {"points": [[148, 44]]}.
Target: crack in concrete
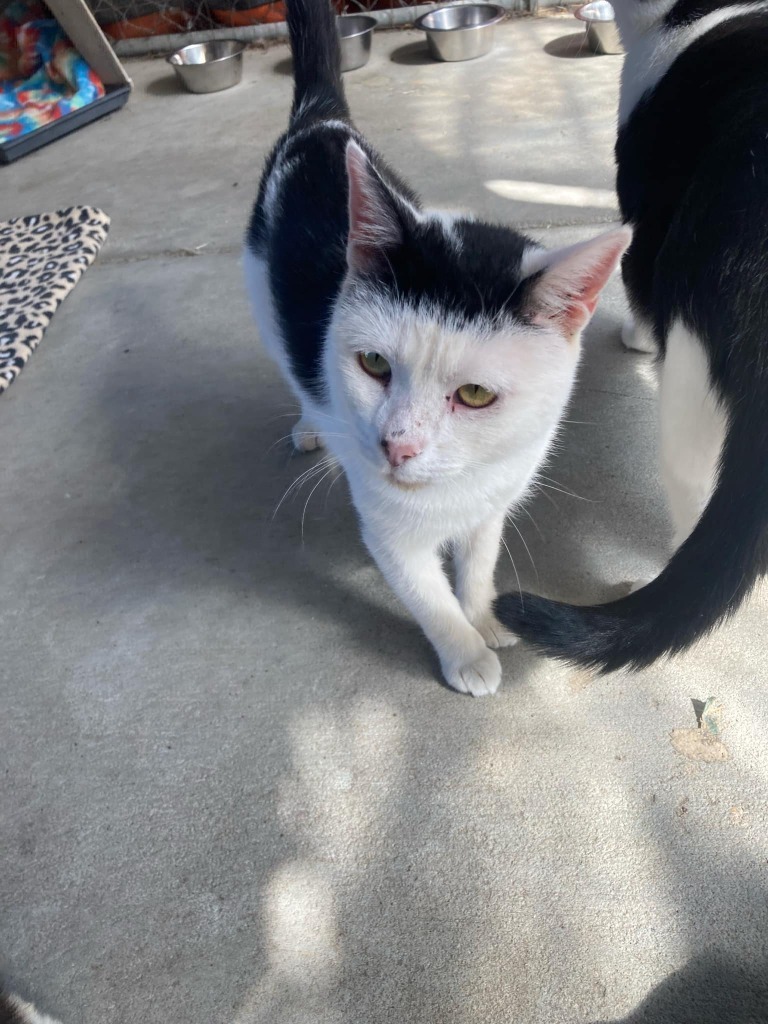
{"points": [[169, 254]]}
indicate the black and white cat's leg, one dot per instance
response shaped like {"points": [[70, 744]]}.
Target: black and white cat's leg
{"points": [[475, 556], [305, 434], [637, 335], [416, 575], [693, 426]]}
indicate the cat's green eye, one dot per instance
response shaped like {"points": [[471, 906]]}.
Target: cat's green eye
{"points": [[375, 365], [475, 396]]}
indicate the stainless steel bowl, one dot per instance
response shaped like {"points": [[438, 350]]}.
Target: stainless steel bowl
{"points": [[461, 31], [356, 32], [209, 67], [602, 34]]}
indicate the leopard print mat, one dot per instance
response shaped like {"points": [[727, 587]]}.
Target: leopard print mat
{"points": [[41, 260]]}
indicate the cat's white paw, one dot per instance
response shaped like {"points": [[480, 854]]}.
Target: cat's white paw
{"points": [[479, 677], [635, 337], [305, 437], [494, 634]]}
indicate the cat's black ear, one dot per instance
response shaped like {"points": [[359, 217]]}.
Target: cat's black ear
{"points": [[570, 280], [374, 221]]}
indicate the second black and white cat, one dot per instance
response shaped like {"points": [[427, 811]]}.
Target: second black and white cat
{"points": [[433, 356], [692, 157]]}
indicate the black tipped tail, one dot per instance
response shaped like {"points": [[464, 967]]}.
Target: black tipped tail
{"points": [[318, 88], [603, 637], [706, 580]]}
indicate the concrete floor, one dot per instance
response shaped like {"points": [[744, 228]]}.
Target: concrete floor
{"points": [[234, 790]]}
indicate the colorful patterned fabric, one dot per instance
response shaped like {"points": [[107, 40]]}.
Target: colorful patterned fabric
{"points": [[42, 76]]}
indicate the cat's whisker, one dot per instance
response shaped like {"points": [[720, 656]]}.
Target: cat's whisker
{"points": [[535, 524], [330, 416], [309, 498], [296, 415], [549, 498], [527, 549], [302, 479], [302, 433], [568, 494], [274, 444], [563, 490], [284, 416], [332, 484], [519, 588]]}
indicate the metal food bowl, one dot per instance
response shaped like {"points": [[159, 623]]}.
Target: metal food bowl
{"points": [[602, 31], [356, 33], [209, 67], [462, 31]]}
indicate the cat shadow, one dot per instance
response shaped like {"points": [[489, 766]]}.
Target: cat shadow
{"points": [[710, 989], [205, 464], [413, 55], [573, 46], [205, 499], [283, 67], [597, 518]]}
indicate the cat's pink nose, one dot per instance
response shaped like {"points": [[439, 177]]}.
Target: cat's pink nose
{"points": [[398, 452]]}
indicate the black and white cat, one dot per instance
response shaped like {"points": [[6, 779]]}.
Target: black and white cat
{"points": [[692, 157], [15, 1011], [432, 355]]}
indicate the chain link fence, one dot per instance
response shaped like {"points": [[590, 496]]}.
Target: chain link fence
{"points": [[136, 19]]}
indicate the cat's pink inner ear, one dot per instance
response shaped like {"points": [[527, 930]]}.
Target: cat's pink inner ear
{"points": [[566, 294], [373, 224]]}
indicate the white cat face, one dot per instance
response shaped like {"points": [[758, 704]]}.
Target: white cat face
{"points": [[424, 400]]}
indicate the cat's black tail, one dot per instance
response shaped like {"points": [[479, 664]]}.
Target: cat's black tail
{"points": [[318, 89], [706, 580]]}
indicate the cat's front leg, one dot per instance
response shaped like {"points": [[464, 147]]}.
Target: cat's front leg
{"points": [[475, 556], [305, 436], [417, 576]]}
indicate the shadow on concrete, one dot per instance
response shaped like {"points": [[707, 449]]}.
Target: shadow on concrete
{"points": [[168, 85], [283, 67], [414, 54], [235, 819], [571, 46], [711, 989]]}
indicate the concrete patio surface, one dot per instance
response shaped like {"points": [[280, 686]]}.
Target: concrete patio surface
{"points": [[234, 790]]}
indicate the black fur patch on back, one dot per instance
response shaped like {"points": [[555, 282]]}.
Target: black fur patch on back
{"points": [[685, 12], [692, 180]]}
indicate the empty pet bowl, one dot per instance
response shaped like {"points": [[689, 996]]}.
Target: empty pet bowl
{"points": [[602, 33], [462, 31], [209, 67], [356, 32]]}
